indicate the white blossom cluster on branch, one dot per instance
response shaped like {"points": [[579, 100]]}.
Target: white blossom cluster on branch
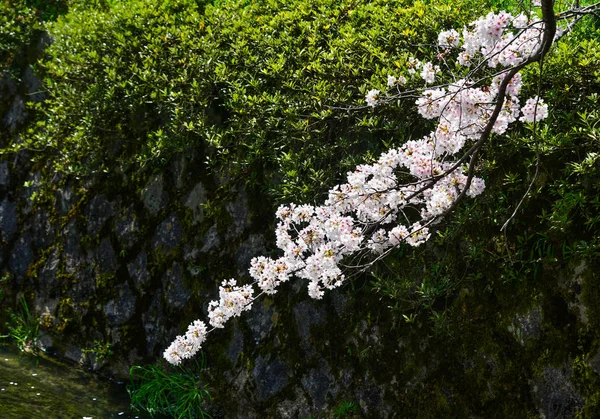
{"points": [[408, 189]]}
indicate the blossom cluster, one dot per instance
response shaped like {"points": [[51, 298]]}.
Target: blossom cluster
{"points": [[377, 210]]}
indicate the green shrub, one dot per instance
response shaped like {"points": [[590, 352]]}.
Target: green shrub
{"points": [[259, 87]]}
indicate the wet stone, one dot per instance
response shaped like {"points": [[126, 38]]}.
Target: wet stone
{"points": [[307, 315], [105, 257], [16, 114], [33, 85], [236, 346], [138, 271], [194, 201], [21, 257], [120, 309], [42, 230], [98, 211], [153, 323], [66, 199], [72, 255], [554, 394], [154, 195], [238, 210], [260, 320], [253, 246], [127, 228], [4, 174], [211, 240], [168, 234], [177, 295], [270, 377], [317, 383], [8, 219], [528, 326]]}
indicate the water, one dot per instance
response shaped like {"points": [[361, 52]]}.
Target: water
{"points": [[32, 388]]}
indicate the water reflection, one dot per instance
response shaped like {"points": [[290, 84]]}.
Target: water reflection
{"points": [[39, 388]]}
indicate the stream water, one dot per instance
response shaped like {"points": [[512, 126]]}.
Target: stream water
{"points": [[32, 388]]}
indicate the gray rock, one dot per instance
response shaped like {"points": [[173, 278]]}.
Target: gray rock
{"points": [[194, 201], [42, 230], [179, 171], [153, 323], [236, 346], [33, 85], [66, 198], [16, 115], [211, 240], [4, 174], [8, 219], [270, 377], [105, 257], [120, 309], [21, 257], [370, 399], [555, 395], [26, 193], [594, 363], [260, 320], [306, 315], [317, 383], [177, 295], [71, 242], [138, 271], [238, 210], [528, 326], [127, 228], [250, 248], [98, 211], [168, 234], [154, 195]]}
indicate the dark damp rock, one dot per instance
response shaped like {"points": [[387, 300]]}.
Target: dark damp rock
{"points": [[33, 85], [128, 228], [270, 377], [105, 257], [238, 210], [66, 198], [168, 234], [98, 211], [138, 271], [260, 320], [21, 256], [297, 407], [8, 219], [83, 285], [252, 247], [211, 240], [177, 295], [370, 399], [317, 383], [26, 193], [16, 115], [194, 201], [71, 242], [178, 168], [307, 315], [153, 323], [528, 326], [46, 298], [554, 394], [154, 196], [236, 346], [4, 175], [340, 302], [120, 309], [74, 353], [594, 363], [42, 230]]}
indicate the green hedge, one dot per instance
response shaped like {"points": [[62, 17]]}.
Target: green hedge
{"points": [[260, 87]]}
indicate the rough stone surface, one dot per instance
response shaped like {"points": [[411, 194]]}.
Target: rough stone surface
{"points": [[154, 195], [211, 240], [98, 211], [127, 228], [66, 198], [238, 210], [168, 234], [317, 383], [120, 309], [4, 174], [42, 230], [250, 248], [153, 323], [8, 219], [270, 376], [554, 394], [33, 85], [260, 320], [21, 257], [236, 346], [306, 315], [16, 115], [194, 201], [177, 294], [105, 257], [72, 254], [138, 271], [528, 326]]}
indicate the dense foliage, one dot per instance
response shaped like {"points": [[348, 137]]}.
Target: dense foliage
{"points": [[262, 87]]}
